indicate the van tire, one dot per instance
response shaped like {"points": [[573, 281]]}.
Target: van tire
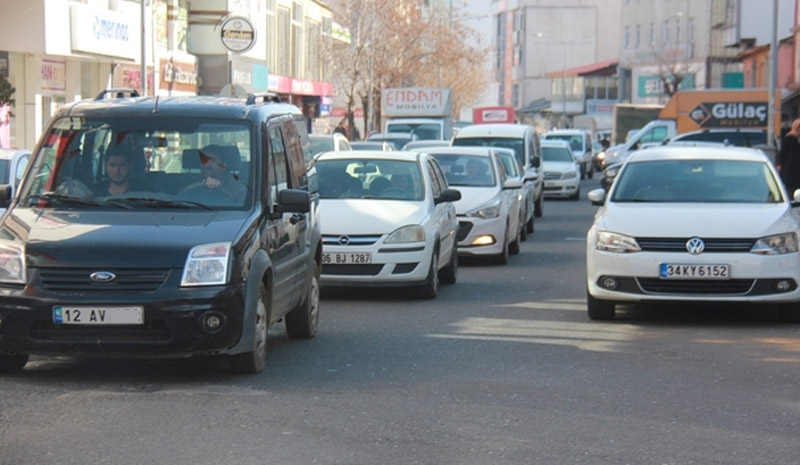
{"points": [[254, 361], [301, 323]]}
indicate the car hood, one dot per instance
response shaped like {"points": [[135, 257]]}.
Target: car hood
{"points": [[704, 220], [116, 239], [474, 197], [369, 216], [558, 166]]}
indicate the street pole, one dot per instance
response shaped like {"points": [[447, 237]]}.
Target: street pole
{"points": [[564, 88], [773, 76], [143, 71], [370, 92]]}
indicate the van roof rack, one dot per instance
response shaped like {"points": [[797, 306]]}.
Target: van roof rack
{"points": [[263, 98], [121, 92]]}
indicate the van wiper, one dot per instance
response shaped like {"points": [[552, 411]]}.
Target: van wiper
{"points": [[52, 196], [149, 201]]}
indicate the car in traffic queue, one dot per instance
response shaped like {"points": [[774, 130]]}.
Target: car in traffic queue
{"points": [[334, 142], [166, 227], [12, 166], [561, 171], [388, 220], [489, 212], [694, 224], [367, 145], [526, 194], [580, 142], [418, 144], [396, 139]]}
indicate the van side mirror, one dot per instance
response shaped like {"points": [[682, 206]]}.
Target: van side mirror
{"points": [[292, 201]]}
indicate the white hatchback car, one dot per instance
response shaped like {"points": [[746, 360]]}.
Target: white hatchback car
{"points": [[698, 224], [488, 212], [388, 219], [580, 141], [12, 166], [526, 194], [561, 170]]}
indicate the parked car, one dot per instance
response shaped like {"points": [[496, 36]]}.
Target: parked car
{"points": [[527, 192], [334, 142], [488, 212], [580, 141], [418, 144], [561, 170], [176, 235], [388, 220], [12, 166], [519, 137], [396, 139], [367, 145], [666, 232]]}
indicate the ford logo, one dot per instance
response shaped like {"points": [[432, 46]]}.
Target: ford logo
{"points": [[102, 276], [695, 246]]}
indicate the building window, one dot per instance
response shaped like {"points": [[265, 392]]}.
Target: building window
{"points": [[690, 31], [284, 31], [269, 35], [665, 32], [637, 37], [297, 40], [313, 42], [677, 30], [515, 96], [652, 35], [627, 37]]}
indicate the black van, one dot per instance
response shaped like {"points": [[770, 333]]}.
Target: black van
{"points": [[161, 227]]}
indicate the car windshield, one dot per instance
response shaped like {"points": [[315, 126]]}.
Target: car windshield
{"points": [[697, 181], [321, 144], [515, 144], [467, 170], [575, 141], [365, 178], [130, 163], [420, 131], [556, 154]]}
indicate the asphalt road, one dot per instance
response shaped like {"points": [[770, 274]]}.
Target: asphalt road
{"points": [[502, 368]]}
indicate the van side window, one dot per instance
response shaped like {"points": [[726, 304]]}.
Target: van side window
{"points": [[656, 134], [279, 175], [294, 153]]}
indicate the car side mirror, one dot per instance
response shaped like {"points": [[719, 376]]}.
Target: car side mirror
{"points": [[448, 195], [5, 195], [597, 197], [512, 184], [535, 162]]}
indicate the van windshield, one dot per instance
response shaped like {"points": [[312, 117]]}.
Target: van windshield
{"points": [[129, 163], [515, 144]]}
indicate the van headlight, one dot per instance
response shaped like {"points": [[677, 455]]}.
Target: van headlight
{"points": [[619, 243], [776, 245], [12, 264], [410, 233], [491, 210], [207, 265]]}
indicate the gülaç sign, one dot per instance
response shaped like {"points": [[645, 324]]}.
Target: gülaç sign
{"points": [[237, 34]]}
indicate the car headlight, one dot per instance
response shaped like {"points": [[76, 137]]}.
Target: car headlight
{"points": [[410, 233], [777, 244], [569, 175], [207, 265], [12, 264], [491, 210], [601, 156], [613, 242]]}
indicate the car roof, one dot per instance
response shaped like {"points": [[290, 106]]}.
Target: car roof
{"points": [[722, 130], [371, 155], [495, 130], [666, 152], [415, 144], [555, 143], [566, 131], [477, 151]]}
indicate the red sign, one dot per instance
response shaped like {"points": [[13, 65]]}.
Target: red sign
{"points": [[339, 112], [485, 115]]}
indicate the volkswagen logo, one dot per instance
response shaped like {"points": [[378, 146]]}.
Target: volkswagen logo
{"points": [[344, 240], [695, 246], [102, 276]]}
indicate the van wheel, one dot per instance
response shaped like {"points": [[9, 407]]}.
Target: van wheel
{"points": [[430, 289], [11, 363], [449, 274], [253, 362], [301, 323], [599, 309]]}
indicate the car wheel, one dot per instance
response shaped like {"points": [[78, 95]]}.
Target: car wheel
{"points": [[502, 257], [10, 363], [599, 309], [539, 210], [790, 313], [301, 323], [430, 289], [576, 195], [449, 274], [253, 362], [513, 247]]}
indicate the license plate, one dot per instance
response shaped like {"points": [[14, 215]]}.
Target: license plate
{"points": [[549, 184], [682, 271], [347, 258], [65, 315]]}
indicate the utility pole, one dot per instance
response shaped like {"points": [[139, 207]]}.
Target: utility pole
{"points": [[773, 76], [144, 50]]}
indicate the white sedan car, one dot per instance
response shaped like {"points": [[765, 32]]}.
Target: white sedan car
{"points": [[387, 220], [489, 211], [696, 224], [561, 170]]}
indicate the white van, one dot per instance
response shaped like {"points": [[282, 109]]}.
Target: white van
{"points": [[653, 133], [523, 140]]}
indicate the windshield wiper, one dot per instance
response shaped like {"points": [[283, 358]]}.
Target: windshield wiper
{"points": [[159, 202], [52, 196]]}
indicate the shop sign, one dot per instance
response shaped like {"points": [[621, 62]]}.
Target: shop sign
{"points": [[130, 77], [653, 86], [238, 34], [730, 114], [103, 32], [54, 75], [597, 106], [178, 76]]}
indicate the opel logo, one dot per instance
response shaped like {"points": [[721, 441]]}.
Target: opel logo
{"points": [[344, 240], [695, 246], [102, 276]]}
